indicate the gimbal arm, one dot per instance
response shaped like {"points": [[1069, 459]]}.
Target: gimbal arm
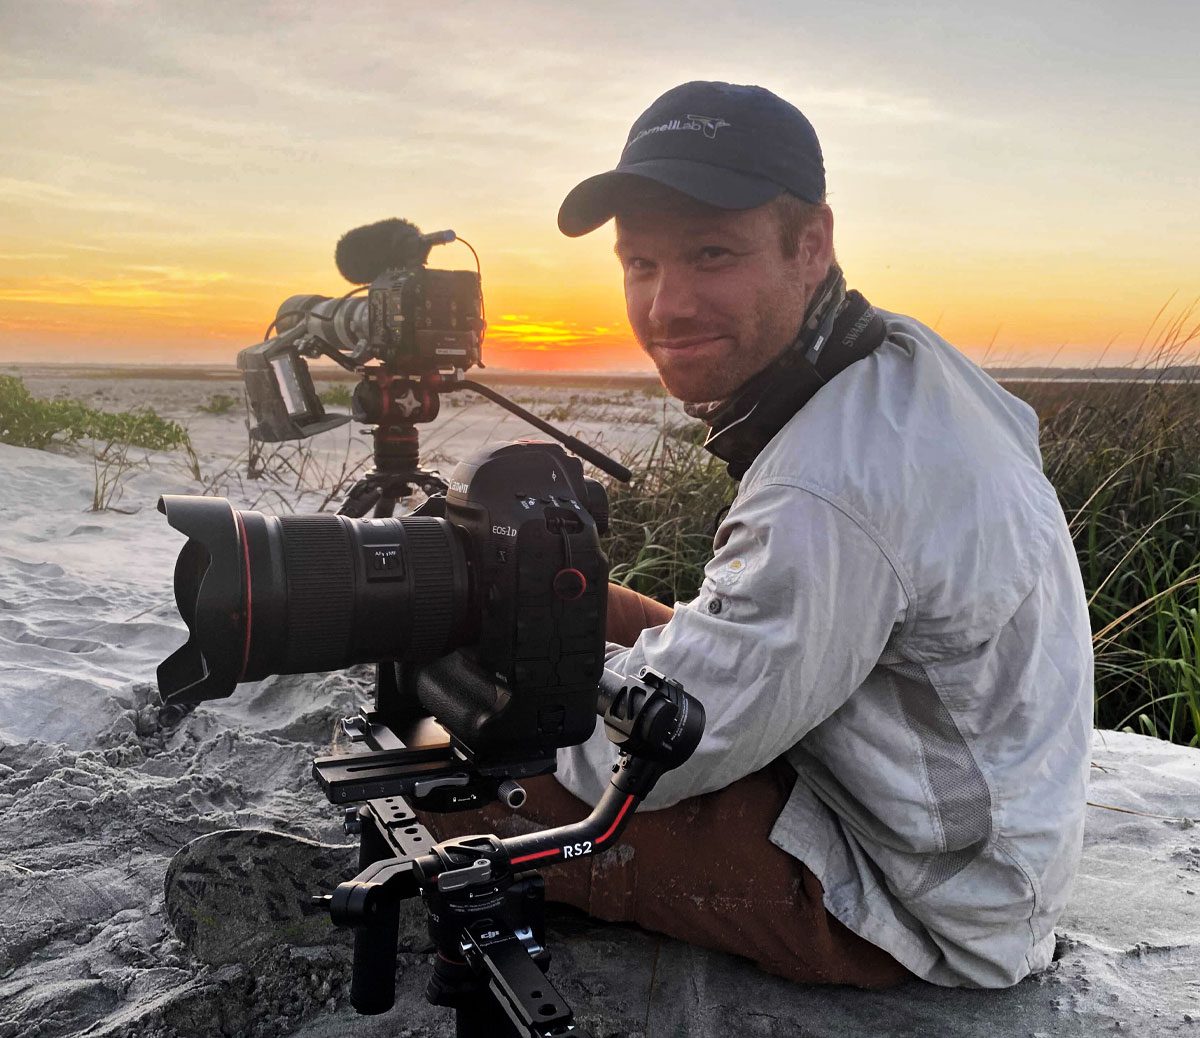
{"points": [[657, 726]]}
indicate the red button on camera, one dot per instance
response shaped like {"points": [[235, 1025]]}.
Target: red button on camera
{"points": [[569, 584]]}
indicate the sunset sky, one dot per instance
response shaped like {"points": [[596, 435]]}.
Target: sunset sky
{"points": [[1025, 177]]}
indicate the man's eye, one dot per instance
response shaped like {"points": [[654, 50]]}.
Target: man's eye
{"points": [[637, 265], [714, 252]]}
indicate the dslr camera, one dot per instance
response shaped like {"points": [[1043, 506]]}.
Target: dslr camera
{"points": [[491, 599]]}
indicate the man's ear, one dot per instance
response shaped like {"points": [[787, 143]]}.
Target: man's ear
{"points": [[815, 251]]}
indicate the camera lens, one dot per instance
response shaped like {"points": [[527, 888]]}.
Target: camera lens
{"points": [[265, 594]]}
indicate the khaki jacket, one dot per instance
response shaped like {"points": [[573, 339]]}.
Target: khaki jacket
{"points": [[894, 603]]}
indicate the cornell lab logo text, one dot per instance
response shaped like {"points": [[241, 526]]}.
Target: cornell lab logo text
{"points": [[707, 124]]}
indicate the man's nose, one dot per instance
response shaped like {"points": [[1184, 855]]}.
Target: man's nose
{"points": [[674, 297]]}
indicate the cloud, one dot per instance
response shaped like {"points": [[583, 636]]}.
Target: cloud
{"points": [[37, 193], [520, 332], [143, 288], [514, 330], [22, 256], [862, 105]]}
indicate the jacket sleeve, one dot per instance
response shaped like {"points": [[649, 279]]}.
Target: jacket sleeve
{"points": [[795, 609]]}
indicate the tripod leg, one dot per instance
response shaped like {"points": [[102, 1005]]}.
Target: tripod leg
{"points": [[372, 847], [359, 501], [477, 1012]]}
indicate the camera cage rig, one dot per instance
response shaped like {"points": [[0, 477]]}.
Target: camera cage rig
{"points": [[407, 402]]}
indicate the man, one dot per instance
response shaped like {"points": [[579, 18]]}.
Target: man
{"points": [[891, 640]]}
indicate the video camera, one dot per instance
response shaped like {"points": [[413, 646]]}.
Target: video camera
{"points": [[409, 341], [413, 322]]}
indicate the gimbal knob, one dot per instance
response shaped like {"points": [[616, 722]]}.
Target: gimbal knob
{"points": [[651, 717]]}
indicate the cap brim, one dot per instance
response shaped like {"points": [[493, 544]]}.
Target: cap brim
{"points": [[596, 200]]}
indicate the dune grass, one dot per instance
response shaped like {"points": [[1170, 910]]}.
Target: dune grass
{"points": [[27, 421], [1125, 460], [336, 395], [661, 524], [220, 403]]}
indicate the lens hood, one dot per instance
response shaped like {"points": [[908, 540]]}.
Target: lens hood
{"points": [[210, 592]]}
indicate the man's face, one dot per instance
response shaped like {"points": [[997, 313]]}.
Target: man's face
{"points": [[709, 293]]}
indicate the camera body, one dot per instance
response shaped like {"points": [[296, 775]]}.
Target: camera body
{"points": [[527, 682], [493, 600], [421, 321]]}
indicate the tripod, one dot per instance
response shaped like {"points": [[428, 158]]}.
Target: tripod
{"points": [[484, 900], [395, 405]]}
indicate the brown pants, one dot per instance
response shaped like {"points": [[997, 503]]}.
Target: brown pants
{"points": [[703, 871]]}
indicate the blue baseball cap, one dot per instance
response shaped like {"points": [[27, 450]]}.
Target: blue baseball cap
{"points": [[729, 146]]}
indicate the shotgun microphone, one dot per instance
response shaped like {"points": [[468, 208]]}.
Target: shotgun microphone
{"points": [[366, 252]]}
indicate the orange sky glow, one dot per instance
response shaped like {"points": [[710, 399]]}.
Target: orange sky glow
{"points": [[1023, 181]]}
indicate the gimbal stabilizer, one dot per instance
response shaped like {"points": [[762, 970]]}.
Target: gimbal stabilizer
{"points": [[485, 917]]}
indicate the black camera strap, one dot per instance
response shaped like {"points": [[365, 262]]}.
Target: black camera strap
{"points": [[840, 328]]}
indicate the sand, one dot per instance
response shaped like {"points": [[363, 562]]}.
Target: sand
{"points": [[96, 794]]}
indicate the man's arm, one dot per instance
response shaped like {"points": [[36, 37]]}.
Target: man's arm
{"points": [[629, 614], [796, 607]]}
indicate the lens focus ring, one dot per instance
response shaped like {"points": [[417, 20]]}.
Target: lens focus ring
{"points": [[320, 591], [429, 546]]}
